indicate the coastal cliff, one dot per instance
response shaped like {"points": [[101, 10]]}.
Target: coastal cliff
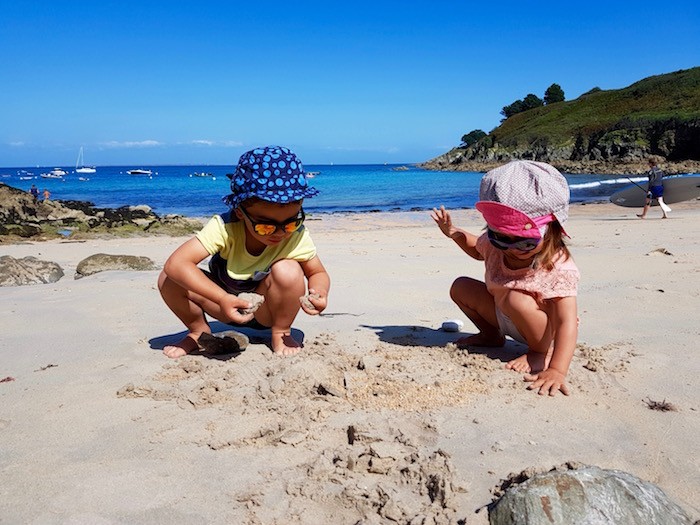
{"points": [[602, 131]]}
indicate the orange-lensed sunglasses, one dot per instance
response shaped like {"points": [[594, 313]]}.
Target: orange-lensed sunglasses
{"points": [[266, 227]]}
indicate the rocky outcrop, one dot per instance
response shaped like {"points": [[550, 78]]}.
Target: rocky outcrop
{"points": [[101, 262], [459, 159], [28, 270], [21, 215]]}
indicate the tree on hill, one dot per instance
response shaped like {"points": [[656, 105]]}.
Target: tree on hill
{"points": [[531, 101], [473, 137], [553, 94], [512, 109]]}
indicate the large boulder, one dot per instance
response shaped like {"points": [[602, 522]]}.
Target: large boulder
{"points": [[28, 270], [586, 496], [101, 262]]}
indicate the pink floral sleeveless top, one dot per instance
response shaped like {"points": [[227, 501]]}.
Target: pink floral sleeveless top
{"points": [[561, 281]]}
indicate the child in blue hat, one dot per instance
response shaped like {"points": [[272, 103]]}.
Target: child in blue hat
{"points": [[261, 246]]}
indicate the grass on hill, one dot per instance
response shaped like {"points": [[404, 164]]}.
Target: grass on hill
{"points": [[672, 97]]}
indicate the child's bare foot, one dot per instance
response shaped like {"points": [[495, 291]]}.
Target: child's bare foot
{"points": [[284, 344], [532, 362], [183, 347], [481, 339]]}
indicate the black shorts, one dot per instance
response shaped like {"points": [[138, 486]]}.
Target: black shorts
{"points": [[254, 324]]}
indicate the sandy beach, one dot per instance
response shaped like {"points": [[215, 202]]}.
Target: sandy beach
{"points": [[379, 419]]}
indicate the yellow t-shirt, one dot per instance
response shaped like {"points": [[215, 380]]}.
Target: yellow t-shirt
{"points": [[227, 239]]}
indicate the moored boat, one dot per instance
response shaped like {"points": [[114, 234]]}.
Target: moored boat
{"points": [[80, 168], [56, 173], [139, 172]]}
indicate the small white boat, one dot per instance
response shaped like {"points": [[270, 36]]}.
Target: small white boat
{"points": [[139, 172], [56, 173], [80, 168], [200, 174]]}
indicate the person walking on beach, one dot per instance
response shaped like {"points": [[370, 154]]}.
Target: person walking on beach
{"points": [[531, 280], [260, 245], [34, 191], [655, 190], [47, 194]]}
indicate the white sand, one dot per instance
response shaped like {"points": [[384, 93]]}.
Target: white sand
{"points": [[99, 427]]}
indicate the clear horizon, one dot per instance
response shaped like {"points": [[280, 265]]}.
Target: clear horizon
{"points": [[137, 83]]}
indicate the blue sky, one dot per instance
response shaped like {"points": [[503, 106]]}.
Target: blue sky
{"points": [[199, 82]]}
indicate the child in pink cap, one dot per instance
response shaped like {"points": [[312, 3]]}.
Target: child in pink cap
{"points": [[531, 280]]}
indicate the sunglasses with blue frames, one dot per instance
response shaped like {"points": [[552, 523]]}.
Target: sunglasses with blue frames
{"points": [[505, 242]]}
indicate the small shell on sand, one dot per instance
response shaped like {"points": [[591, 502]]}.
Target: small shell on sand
{"points": [[306, 302], [254, 299]]}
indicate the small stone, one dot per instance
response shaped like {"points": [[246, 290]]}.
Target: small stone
{"points": [[292, 437], [255, 300], [305, 300], [229, 342]]}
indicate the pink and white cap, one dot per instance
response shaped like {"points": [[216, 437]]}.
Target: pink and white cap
{"points": [[523, 196]]}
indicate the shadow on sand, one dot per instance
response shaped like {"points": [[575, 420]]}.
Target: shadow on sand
{"points": [[254, 336], [412, 335]]}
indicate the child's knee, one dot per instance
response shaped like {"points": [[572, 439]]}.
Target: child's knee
{"points": [[466, 289], [287, 273], [161, 280]]}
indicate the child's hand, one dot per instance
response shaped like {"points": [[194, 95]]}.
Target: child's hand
{"points": [[230, 305], [443, 220], [315, 302], [548, 381]]}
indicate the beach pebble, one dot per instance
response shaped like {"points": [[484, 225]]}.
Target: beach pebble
{"points": [[452, 325], [307, 303], [228, 342], [254, 299]]}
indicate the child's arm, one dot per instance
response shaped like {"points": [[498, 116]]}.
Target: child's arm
{"points": [[319, 285], [464, 239], [565, 326], [182, 268]]}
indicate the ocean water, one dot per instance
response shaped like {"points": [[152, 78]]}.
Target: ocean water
{"points": [[343, 188]]}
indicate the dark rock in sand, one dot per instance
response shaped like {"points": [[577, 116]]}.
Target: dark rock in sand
{"points": [[28, 270], [102, 261], [586, 496], [229, 342]]}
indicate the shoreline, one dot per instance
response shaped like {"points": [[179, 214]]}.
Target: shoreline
{"points": [[601, 168], [98, 426]]}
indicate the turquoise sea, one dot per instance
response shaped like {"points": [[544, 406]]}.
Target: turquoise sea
{"points": [[343, 188]]}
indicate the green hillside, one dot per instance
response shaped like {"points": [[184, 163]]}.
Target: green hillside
{"points": [[670, 98], [659, 115]]}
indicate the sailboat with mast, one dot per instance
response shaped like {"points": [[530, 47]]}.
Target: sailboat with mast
{"points": [[80, 168]]}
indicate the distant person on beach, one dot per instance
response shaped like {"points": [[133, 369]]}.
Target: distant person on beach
{"points": [[531, 281], [47, 194], [34, 191], [260, 245], [655, 190]]}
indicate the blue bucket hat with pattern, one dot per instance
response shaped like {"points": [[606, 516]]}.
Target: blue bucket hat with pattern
{"points": [[271, 173]]}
